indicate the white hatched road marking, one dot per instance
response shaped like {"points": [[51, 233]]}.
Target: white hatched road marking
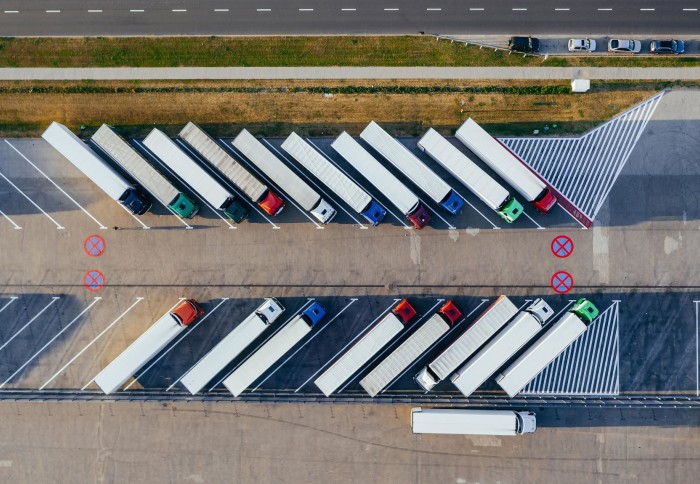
{"points": [[590, 366], [65, 328], [184, 335], [584, 169], [138, 300]]}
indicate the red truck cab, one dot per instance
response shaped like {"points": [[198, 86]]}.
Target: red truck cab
{"points": [[545, 201], [187, 312], [405, 311], [271, 203], [450, 312]]}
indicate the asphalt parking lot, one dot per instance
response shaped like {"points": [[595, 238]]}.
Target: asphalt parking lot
{"points": [[636, 262]]}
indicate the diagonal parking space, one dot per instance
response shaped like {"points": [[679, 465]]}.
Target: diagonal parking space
{"points": [[584, 169]]}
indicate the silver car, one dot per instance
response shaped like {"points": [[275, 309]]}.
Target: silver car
{"points": [[582, 45], [624, 46]]}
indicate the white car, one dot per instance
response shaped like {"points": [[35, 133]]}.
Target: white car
{"points": [[582, 45], [624, 45]]}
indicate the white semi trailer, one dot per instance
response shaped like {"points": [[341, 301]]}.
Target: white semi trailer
{"points": [[96, 169], [457, 421], [210, 150], [502, 347], [547, 347], [485, 326], [382, 179], [274, 349], [283, 176], [509, 167], [232, 345], [194, 175], [146, 175], [365, 348], [148, 345], [470, 175], [329, 174], [413, 168], [410, 350]]}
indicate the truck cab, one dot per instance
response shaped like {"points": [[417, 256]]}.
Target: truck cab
{"points": [[540, 310], [420, 217], [453, 203], [136, 201], [187, 312], [426, 379], [236, 211], [510, 210], [526, 422], [270, 310], [585, 310], [450, 312], [323, 211], [405, 311], [314, 314], [271, 203], [184, 206], [545, 201], [374, 213]]}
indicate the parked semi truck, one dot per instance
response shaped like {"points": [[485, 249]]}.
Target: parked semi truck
{"points": [[210, 150], [507, 165], [459, 421], [470, 175], [96, 169], [351, 193], [483, 328], [382, 179], [365, 348], [547, 347], [194, 175], [410, 350], [274, 349], [524, 326], [145, 175], [232, 345], [283, 176], [148, 345], [414, 169]]}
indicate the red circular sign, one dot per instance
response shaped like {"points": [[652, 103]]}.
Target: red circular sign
{"points": [[94, 280], [562, 282], [562, 246], [94, 246]]}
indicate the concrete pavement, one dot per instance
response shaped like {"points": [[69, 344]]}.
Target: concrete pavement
{"points": [[184, 73]]}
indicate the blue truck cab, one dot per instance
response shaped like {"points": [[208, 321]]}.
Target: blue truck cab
{"points": [[453, 203], [136, 201], [314, 314], [374, 213]]}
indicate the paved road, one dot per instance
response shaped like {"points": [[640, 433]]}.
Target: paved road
{"points": [[145, 73], [222, 17]]}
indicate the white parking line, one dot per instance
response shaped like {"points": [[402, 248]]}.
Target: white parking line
{"points": [[519, 9], [493, 225], [179, 10], [94, 11], [53, 300], [697, 352], [12, 299], [437, 214], [143, 225], [391, 345], [298, 170], [433, 9], [138, 300], [647, 9], [187, 333], [533, 220], [136, 11], [221, 9], [11, 11], [605, 9], [477, 9], [250, 165], [348, 9], [53, 11], [169, 310], [264, 9], [230, 226], [690, 9], [298, 312], [306, 9], [56, 185], [391, 9], [17, 227], [561, 9], [370, 325], [306, 343], [58, 225], [449, 332], [358, 184], [65, 328], [229, 183]]}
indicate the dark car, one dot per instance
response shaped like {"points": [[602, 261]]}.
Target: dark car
{"points": [[667, 46], [528, 45]]}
